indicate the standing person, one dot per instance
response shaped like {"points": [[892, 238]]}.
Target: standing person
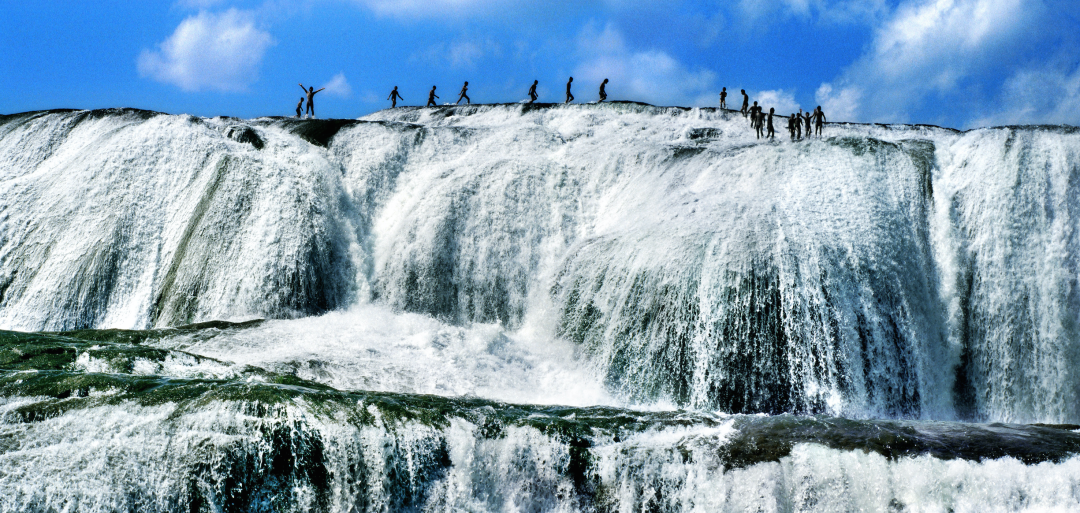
{"points": [[819, 119], [569, 97], [791, 125], [806, 118], [300, 107], [772, 133], [394, 97], [532, 92], [431, 98], [797, 120], [759, 122], [603, 95], [310, 98], [745, 103], [753, 113], [464, 89], [723, 98]]}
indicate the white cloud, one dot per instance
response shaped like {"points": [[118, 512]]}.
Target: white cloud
{"points": [[650, 76], [338, 86], [830, 11], [842, 105], [459, 54], [1046, 95], [209, 51], [928, 47], [197, 4], [432, 8], [784, 102]]}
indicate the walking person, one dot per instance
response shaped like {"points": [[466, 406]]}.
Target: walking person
{"points": [[464, 89], [300, 107], [532, 91], [759, 122], [569, 97], [394, 97], [603, 94], [723, 98], [772, 133], [310, 98], [431, 98], [806, 119], [745, 103]]}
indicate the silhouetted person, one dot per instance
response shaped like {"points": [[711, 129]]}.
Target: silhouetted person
{"points": [[603, 94], [310, 98], [300, 107], [791, 125], [772, 133], [806, 120], [759, 122], [798, 125], [569, 97], [745, 103], [753, 114], [431, 98], [532, 91], [464, 89], [394, 97], [819, 119], [723, 98]]}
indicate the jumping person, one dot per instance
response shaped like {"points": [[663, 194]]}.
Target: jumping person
{"points": [[431, 98], [532, 91], [745, 103], [772, 133], [819, 119], [310, 98], [462, 94], [300, 107], [723, 98], [569, 97], [394, 97], [603, 95]]}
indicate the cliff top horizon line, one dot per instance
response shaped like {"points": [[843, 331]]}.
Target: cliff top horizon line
{"points": [[523, 107]]}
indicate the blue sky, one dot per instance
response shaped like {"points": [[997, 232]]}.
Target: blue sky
{"points": [[959, 63]]}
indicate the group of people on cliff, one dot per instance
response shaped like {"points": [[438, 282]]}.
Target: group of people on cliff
{"points": [[763, 123], [759, 121]]}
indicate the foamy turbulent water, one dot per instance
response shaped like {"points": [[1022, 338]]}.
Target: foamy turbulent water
{"points": [[608, 307]]}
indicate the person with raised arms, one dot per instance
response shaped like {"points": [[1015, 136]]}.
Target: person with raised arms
{"points": [[431, 98], [310, 98], [394, 97]]}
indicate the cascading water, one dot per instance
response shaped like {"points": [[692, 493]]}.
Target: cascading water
{"points": [[435, 277]]}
